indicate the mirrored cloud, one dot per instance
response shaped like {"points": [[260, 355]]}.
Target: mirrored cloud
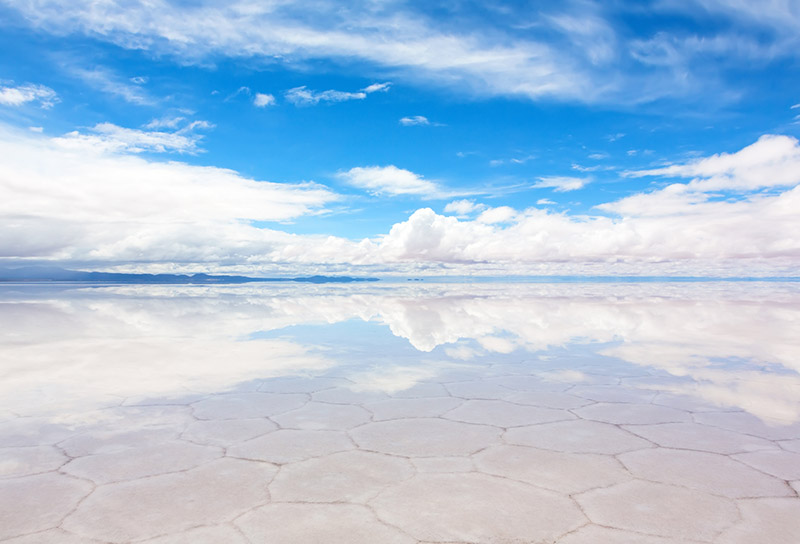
{"points": [[689, 339]]}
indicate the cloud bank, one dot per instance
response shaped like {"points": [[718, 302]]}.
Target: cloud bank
{"points": [[79, 203]]}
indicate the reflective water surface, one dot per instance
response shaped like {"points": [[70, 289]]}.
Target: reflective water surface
{"points": [[597, 412]]}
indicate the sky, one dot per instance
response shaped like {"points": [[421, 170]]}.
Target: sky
{"points": [[656, 137]]}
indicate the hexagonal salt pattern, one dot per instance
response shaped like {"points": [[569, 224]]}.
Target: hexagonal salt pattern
{"points": [[247, 405], [424, 437], [37, 503], [213, 493], [476, 508], [351, 476], [514, 458], [29, 460], [564, 472], [227, 534], [318, 524], [776, 521], [504, 414], [709, 472], [287, 445], [578, 436], [658, 509], [591, 534], [133, 463], [321, 416]]}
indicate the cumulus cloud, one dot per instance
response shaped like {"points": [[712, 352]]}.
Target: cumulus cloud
{"points": [[302, 96], [772, 161], [94, 203], [414, 120], [112, 138], [561, 184], [389, 180], [90, 204], [262, 100], [22, 94]]}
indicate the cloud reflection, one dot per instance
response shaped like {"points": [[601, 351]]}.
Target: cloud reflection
{"points": [[724, 344]]}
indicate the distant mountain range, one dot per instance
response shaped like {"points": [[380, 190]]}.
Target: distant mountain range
{"points": [[55, 274]]}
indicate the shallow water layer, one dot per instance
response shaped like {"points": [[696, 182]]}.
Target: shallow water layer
{"points": [[452, 413]]}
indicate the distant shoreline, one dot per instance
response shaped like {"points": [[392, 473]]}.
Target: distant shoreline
{"points": [[50, 275]]}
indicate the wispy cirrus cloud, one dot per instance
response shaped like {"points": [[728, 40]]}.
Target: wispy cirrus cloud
{"points": [[577, 50], [303, 96], [107, 81], [561, 184], [389, 36], [113, 138], [377, 87], [414, 120], [17, 95]]}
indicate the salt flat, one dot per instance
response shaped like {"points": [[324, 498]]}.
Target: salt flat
{"points": [[614, 413]]}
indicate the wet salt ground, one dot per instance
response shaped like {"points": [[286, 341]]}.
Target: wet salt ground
{"points": [[358, 440]]}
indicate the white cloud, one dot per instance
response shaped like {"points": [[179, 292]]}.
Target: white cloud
{"points": [[83, 204], [87, 203], [544, 202], [795, 107], [36, 129], [414, 120], [301, 96], [386, 35], [501, 214], [389, 180], [262, 100], [22, 94], [463, 207], [561, 184], [513, 160], [772, 161], [112, 138], [377, 87], [105, 80], [165, 122], [580, 49], [690, 328], [140, 80]]}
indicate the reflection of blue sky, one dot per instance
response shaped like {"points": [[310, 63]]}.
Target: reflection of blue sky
{"points": [[727, 345]]}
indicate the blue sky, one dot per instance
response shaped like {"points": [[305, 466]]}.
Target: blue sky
{"points": [[400, 137]]}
